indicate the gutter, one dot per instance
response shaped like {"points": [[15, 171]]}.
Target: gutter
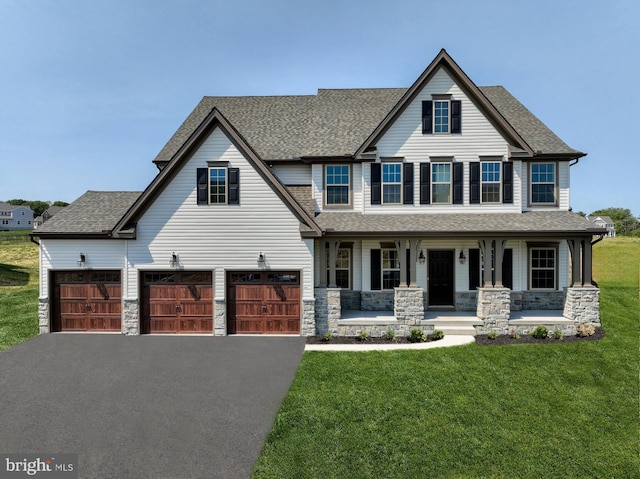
{"points": [[33, 239]]}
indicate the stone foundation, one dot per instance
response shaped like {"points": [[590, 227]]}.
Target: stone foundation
{"points": [[43, 316], [130, 317], [219, 317], [408, 306], [308, 326], [494, 309], [377, 300], [542, 300], [467, 301], [350, 299], [583, 305], [327, 310]]}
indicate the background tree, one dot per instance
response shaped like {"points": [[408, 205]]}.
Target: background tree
{"points": [[60, 203], [626, 224]]}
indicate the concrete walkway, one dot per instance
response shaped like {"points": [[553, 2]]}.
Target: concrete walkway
{"points": [[445, 342], [146, 406]]}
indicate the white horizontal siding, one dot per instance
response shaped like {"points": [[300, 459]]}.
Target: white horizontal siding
{"points": [[63, 254], [293, 174], [219, 237]]}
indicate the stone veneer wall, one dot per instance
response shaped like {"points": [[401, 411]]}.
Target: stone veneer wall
{"points": [[494, 308], [377, 300], [583, 305], [308, 326], [219, 317], [327, 310], [466, 301], [131, 317], [350, 299], [408, 305], [43, 316], [542, 300]]}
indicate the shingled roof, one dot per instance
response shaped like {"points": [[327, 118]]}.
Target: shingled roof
{"points": [[94, 213]]}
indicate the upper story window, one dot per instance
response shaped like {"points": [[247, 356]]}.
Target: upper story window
{"points": [[218, 185], [543, 181], [440, 183], [337, 181], [490, 181], [441, 115], [391, 183]]}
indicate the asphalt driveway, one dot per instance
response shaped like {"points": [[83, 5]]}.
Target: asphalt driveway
{"points": [[145, 406]]}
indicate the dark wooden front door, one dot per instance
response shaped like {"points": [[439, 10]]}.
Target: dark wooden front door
{"points": [[177, 302], [87, 301], [441, 286], [263, 302]]}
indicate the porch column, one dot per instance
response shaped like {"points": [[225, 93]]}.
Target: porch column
{"points": [[586, 263], [401, 248], [499, 255], [333, 253], [322, 255], [486, 249], [414, 246], [574, 249]]}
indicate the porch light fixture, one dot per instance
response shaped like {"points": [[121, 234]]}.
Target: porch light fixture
{"points": [[261, 260], [173, 262], [82, 260], [421, 258], [462, 258]]}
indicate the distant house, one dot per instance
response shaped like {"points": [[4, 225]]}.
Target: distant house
{"points": [[40, 220], [604, 222], [15, 217]]}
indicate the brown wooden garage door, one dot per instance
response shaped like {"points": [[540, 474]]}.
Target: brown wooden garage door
{"points": [[86, 301], [263, 302], [177, 302]]}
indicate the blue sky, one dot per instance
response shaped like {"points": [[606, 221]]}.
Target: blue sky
{"points": [[92, 90]]}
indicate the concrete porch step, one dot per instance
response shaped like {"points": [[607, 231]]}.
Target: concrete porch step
{"points": [[457, 330]]}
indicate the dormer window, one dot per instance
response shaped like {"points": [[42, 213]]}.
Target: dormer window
{"points": [[441, 116]]}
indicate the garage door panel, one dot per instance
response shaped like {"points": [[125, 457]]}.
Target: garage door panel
{"points": [[105, 323], [196, 325]]}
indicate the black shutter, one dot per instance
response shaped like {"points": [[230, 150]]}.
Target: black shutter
{"points": [[474, 269], [427, 122], [376, 269], [425, 178], [507, 182], [376, 184], [457, 183], [234, 186], [407, 184], [474, 182], [507, 269], [202, 185], [456, 115]]}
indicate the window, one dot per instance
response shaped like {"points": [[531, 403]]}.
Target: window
{"points": [[218, 185], [390, 269], [343, 268], [337, 179], [5, 222], [542, 268], [441, 183], [490, 181], [543, 183], [391, 183], [441, 115]]}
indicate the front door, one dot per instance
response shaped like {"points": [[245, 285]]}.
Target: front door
{"points": [[440, 286]]}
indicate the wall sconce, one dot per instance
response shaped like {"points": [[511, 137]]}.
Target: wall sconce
{"points": [[173, 262], [421, 258], [462, 258], [262, 262], [82, 260]]}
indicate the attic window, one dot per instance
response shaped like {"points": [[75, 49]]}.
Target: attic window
{"points": [[218, 185], [441, 116]]}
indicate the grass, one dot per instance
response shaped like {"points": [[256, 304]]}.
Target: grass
{"points": [[522, 411], [18, 292]]}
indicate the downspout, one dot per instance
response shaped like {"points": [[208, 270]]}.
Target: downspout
{"points": [[576, 162], [600, 238], [32, 238]]}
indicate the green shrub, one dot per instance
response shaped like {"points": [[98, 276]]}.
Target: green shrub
{"points": [[586, 329], [417, 336], [492, 335], [540, 332], [437, 335], [328, 336], [363, 336], [557, 334], [390, 334], [514, 334]]}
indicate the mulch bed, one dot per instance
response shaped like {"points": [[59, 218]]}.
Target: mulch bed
{"points": [[483, 340], [357, 340]]}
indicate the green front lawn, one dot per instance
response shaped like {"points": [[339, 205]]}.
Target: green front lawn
{"points": [[552, 410]]}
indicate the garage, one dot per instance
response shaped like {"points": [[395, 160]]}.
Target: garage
{"points": [[177, 302], [263, 302], [87, 301]]}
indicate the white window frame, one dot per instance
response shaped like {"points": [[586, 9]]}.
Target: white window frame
{"points": [[386, 184], [391, 268], [433, 183], [554, 268], [487, 182], [441, 129], [327, 186], [210, 187], [341, 267], [554, 184]]}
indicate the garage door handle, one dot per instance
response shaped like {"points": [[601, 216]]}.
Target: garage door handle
{"points": [[177, 308], [264, 308], [88, 307]]}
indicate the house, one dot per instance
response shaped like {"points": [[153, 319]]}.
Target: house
{"points": [[15, 217], [605, 222], [345, 211], [48, 213]]}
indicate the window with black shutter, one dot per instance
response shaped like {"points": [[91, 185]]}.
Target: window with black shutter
{"points": [[441, 115], [376, 183], [218, 185], [376, 269]]}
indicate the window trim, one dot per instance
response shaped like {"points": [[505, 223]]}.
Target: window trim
{"points": [[547, 247], [500, 182], [349, 185], [382, 268], [349, 249], [555, 184], [432, 183], [226, 185], [443, 101], [399, 183]]}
